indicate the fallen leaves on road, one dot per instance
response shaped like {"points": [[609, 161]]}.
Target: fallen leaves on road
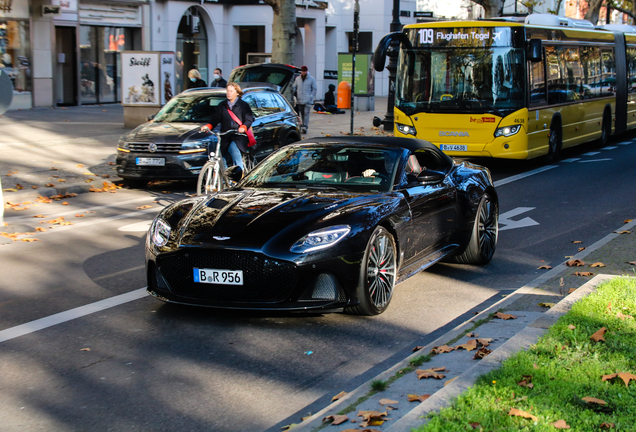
{"points": [[598, 264], [431, 373], [108, 187], [450, 381], [577, 241], [372, 418], [526, 381], [575, 263], [583, 274], [623, 232], [338, 396], [518, 413], [504, 316], [544, 267], [468, 346], [598, 335], [548, 305], [143, 207], [481, 353], [388, 402], [417, 348], [336, 419], [631, 262], [442, 349], [571, 290], [418, 398]]}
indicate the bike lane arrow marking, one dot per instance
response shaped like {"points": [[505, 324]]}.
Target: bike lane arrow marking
{"points": [[506, 223]]}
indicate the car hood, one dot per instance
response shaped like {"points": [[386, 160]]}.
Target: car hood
{"points": [[251, 218], [165, 132]]}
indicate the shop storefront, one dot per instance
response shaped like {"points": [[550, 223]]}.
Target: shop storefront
{"points": [[192, 49], [15, 52]]}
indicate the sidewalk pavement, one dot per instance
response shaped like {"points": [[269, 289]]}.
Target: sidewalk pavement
{"points": [[56, 133]]}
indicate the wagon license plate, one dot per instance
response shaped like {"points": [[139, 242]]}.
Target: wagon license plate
{"points": [[151, 161], [221, 277], [453, 147]]}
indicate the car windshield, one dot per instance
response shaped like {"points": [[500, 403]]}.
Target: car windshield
{"points": [[335, 166], [455, 74], [262, 74], [189, 109]]}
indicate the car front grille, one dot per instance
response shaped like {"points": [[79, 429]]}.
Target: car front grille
{"points": [[161, 148], [264, 279]]}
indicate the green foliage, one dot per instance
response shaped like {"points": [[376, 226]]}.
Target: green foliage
{"points": [[420, 360], [565, 365], [379, 385]]}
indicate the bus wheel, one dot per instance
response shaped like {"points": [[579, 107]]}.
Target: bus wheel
{"points": [[554, 147], [606, 129]]}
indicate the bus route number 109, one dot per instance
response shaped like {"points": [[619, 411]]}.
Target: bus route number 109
{"points": [[426, 36]]}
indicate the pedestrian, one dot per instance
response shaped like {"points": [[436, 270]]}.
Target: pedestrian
{"points": [[195, 78], [305, 89], [218, 79], [330, 101], [232, 144]]}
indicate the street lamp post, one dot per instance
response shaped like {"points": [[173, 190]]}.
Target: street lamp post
{"points": [[392, 53], [356, 30]]}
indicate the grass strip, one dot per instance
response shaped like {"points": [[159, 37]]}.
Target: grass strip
{"points": [[563, 367]]}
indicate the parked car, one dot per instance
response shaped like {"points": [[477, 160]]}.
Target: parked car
{"points": [[275, 75], [170, 145], [321, 224]]}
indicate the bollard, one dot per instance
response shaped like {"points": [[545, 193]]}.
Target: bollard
{"points": [[344, 95]]}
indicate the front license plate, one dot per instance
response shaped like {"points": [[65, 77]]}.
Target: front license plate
{"points": [[151, 161], [453, 147], [221, 277]]}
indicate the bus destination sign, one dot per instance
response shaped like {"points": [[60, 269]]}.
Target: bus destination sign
{"points": [[462, 37]]}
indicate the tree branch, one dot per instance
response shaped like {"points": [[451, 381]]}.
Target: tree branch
{"points": [[625, 11]]}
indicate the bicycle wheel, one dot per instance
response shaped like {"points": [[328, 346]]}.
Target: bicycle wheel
{"points": [[209, 178]]}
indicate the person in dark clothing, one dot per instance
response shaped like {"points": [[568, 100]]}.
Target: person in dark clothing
{"points": [[195, 79], [232, 144], [330, 101], [218, 80]]}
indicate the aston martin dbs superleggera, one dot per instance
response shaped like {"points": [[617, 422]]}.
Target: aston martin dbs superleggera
{"points": [[327, 223]]}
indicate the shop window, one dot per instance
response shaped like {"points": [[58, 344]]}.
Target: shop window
{"points": [[15, 58]]}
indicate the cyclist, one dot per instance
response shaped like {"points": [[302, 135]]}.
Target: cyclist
{"points": [[232, 144]]}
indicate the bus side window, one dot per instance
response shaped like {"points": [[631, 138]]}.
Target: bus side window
{"points": [[537, 83]]}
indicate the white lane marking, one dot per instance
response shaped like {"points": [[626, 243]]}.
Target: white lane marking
{"points": [[571, 160], [609, 148], [591, 154], [115, 206], [136, 227], [625, 143], [523, 175], [504, 219], [62, 317], [596, 160]]}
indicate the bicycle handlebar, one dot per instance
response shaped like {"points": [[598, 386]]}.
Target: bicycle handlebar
{"points": [[226, 132]]}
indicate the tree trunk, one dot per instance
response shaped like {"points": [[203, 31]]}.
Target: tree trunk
{"points": [[593, 11], [492, 8], [283, 30]]}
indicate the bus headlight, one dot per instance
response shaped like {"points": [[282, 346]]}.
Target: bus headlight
{"points": [[406, 129], [507, 131]]}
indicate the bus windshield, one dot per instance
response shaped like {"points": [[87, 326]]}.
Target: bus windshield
{"points": [[470, 80]]}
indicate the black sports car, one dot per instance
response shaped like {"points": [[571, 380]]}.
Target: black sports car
{"points": [[324, 224]]}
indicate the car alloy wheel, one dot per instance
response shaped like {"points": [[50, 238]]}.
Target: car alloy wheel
{"points": [[488, 228]]}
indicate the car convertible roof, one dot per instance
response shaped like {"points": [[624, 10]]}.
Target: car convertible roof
{"points": [[412, 144]]}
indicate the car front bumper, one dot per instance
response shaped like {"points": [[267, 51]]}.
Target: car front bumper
{"points": [[176, 166]]}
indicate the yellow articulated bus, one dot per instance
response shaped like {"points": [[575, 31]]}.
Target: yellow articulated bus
{"points": [[510, 89]]}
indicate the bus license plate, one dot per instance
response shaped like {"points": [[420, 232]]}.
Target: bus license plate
{"points": [[151, 161], [220, 277], [453, 147]]}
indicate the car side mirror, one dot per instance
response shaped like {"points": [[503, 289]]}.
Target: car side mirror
{"points": [[150, 117], [427, 177], [234, 173]]}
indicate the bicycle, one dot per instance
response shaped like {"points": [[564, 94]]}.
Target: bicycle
{"points": [[213, 178]]}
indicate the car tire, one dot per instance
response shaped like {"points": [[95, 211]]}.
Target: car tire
{"points": [[135, 183], [483, 238], [377, 274], [291, 138]]}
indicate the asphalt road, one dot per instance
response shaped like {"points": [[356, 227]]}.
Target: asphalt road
{"points": [[135, 364]]}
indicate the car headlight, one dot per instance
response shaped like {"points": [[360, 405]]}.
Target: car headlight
{"points": [[160, 232], [507, 131], [405, 129], [194, 146], [321, 239]]}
